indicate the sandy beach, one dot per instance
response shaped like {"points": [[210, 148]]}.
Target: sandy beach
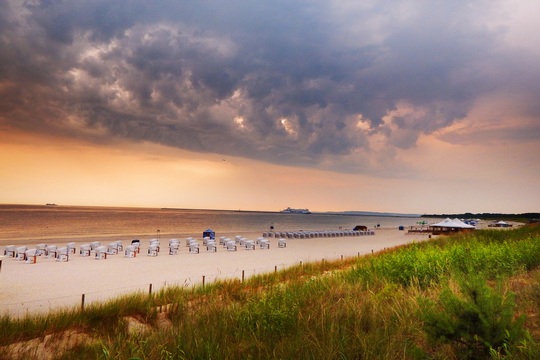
{"points": [[50, 284]]}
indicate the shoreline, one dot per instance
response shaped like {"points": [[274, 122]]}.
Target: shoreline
{"points": [[50, 285]]}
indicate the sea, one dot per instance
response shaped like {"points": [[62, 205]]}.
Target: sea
{"points": [[46, 223]]}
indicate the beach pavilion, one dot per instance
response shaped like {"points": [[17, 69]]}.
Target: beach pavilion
{"points": [[449, 226], [502, 224]]}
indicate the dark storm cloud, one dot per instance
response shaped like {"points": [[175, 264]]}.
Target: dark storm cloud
{"points": [[285, 82]]}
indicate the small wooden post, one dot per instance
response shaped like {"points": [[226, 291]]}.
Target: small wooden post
{"points": [[203, 280], [275, 268], [82, 302], [242, 275], [150, 290]]}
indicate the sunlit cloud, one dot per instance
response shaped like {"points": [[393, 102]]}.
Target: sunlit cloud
{"points": [[348, 88]]}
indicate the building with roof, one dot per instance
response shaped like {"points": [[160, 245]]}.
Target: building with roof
{"points": [[449, 226]]}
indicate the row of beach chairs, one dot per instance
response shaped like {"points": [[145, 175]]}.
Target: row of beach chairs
{"points": [[23, 253], [231, 244], [100, 252], [316, 234]]}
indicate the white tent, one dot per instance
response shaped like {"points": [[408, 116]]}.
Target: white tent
{"points": [[448, 226], [501, 223], [452, 223]]}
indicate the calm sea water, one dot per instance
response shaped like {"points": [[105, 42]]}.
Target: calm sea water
{"points": [[21, 223]]}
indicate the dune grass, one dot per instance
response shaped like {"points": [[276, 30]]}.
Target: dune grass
{"points": [[473, 295]]}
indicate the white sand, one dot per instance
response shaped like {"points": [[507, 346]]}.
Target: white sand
{"points": [[48, 284]]}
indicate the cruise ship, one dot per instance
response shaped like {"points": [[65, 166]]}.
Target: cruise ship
{"points": [[295, 211]]}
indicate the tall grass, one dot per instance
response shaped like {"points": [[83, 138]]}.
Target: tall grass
{"points": [[367, 308]]}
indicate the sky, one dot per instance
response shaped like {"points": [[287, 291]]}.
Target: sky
{"points": [[407, 106]]}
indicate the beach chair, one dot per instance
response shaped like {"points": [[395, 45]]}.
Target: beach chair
{"points": [[174, 247], [190, 240], [137, 244], [94, 245], [31, 256], [222, 240], [155, 242], [85, 249], [211, 246], [249, 245], [101, 253], [282, 243], [20, 253], [131, 251], [153, 250], [10, 251], [52, 251], [112, 248], [41, 249], [264, 244], [63, 254], [120, 246], [71, 247], [194, 248], [230, 245]]}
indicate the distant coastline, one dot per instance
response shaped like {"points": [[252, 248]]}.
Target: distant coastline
{"points": [[483, 216], [523, 217], [344, 213]]}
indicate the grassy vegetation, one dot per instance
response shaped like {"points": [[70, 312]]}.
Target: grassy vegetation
{"points": [[474, 296]]}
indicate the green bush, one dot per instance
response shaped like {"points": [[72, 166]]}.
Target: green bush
{"points": [[476, 320]]}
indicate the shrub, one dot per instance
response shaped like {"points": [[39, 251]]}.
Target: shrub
{"points": [[476, 319]]}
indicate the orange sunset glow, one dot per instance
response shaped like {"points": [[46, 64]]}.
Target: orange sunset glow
{"points": [[430, 110]]}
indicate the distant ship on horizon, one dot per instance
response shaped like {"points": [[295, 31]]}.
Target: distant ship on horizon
{"points": [[295, 211]]}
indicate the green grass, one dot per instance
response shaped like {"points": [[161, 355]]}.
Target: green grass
{"points": [[381, 306]]}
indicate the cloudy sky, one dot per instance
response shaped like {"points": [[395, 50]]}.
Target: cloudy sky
{"points": [[414, 106]]}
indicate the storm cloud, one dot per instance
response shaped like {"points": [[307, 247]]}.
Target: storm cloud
{"points": [[297, 83]]}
